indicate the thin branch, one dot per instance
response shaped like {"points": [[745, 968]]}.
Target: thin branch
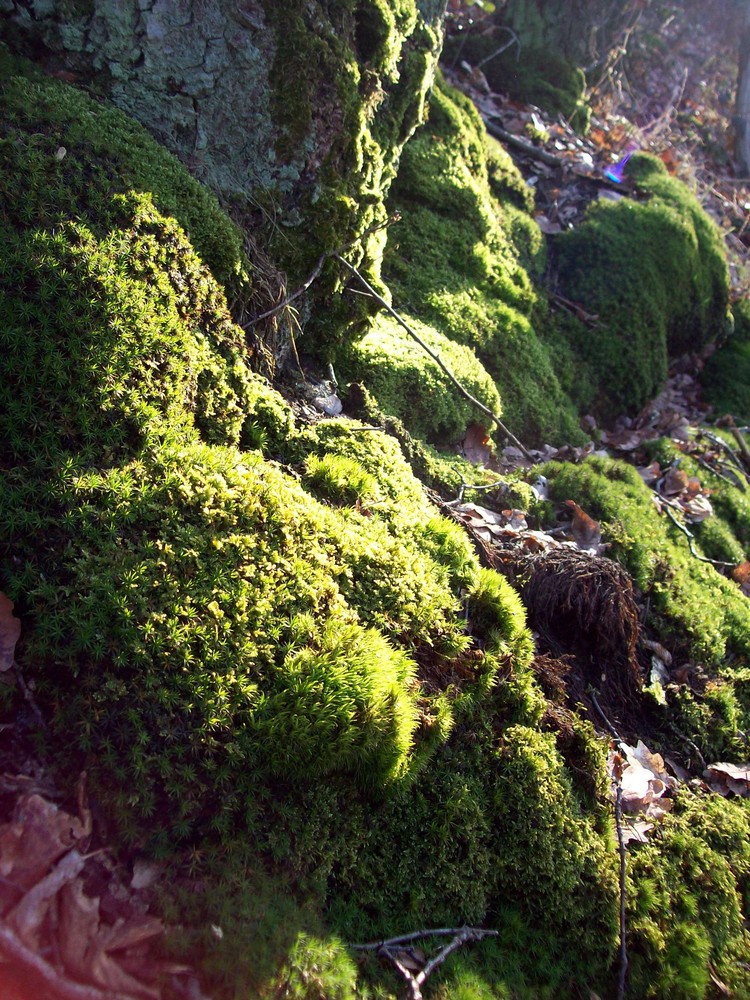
{"points": [[513, 41], [600, 710], [539, 154], [720, 475], [691, 542], [739, 438], [417, 936], [390, 950], [435, 357], [623, 924], [315, 273]]}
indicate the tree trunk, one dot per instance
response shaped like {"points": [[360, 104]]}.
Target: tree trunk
{"points": [[293, 112], [742, 105]]}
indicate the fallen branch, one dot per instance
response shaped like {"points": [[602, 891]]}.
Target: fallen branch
{"points": [[315, 273], [720, 475], [691, 541], [493, 55], [390, 949], [480, 487], [435, 357], [721, 443], [739, 438], [526, 147]]}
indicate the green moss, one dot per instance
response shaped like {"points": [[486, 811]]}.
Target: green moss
{"points": [[686, 904], [697, 612], [655, 274], [726, 376], [461, 262], [407, 383], [106, 153]]}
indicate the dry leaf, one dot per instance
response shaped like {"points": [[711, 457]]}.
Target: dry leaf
{"points": [[584, 529], [728, 779], [476, 445], [10, 633]]}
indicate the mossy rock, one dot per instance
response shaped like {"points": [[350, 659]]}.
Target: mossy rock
{"points": [[462, 261], [654, 272], [407, 383], [74, 153], [726, 376]]}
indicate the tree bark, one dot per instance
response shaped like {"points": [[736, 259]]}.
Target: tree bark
{"points": [[742, 104]]}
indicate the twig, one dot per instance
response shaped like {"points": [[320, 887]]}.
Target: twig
{"points": [[513, 41], [539, 154], [600, 710], [691, 541], [435, 357], [389, 949], [690, 743], [473, 486], [721, 443], [737, 434], [38, 969], [315, 273], [623, 924], [720, 475]]}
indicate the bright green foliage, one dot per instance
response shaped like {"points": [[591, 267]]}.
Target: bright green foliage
{"points": [[689, 886], [461, 261], [655, 274], [408, 384], [105, 153], [726, 377]]}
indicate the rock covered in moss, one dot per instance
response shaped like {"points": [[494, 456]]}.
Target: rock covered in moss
{"points": [[300, 109], [653, 270], [463, 261]]}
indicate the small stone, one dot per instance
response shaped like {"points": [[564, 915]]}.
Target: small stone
{"points": [[331, 405], [61, 153]]}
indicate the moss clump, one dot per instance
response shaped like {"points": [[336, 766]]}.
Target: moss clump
{"points": [[105, 153], [462, 262], [726, 376], [698, 613], [655, 274], [688, 893], [408, 384]]}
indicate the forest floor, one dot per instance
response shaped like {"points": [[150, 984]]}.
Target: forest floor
{"points": [[677, 107]]}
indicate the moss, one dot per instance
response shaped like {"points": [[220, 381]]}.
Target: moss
{"points": [[408, 384], [461, 262], [654, 272], [686, 904], [106, 153], [698, 613], [726, 375]]}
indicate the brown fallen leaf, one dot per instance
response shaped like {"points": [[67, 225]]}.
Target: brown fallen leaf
{"points": [[673, 483], [728, 779], [10, 633], [476, 446], [38, 835], [584, 529]]}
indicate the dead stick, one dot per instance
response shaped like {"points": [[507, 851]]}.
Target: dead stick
{"points": [[38, 969], [315, 273], [691, 542], [435, 357], [623, 925], [739, 438], [418, 935], [526, 147]]}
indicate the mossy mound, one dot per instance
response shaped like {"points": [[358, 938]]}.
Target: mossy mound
{"points": [[410, 385], [700, 615], [726, 376], [654, 273], [298, 671], [462, 262], [73, 153]]}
